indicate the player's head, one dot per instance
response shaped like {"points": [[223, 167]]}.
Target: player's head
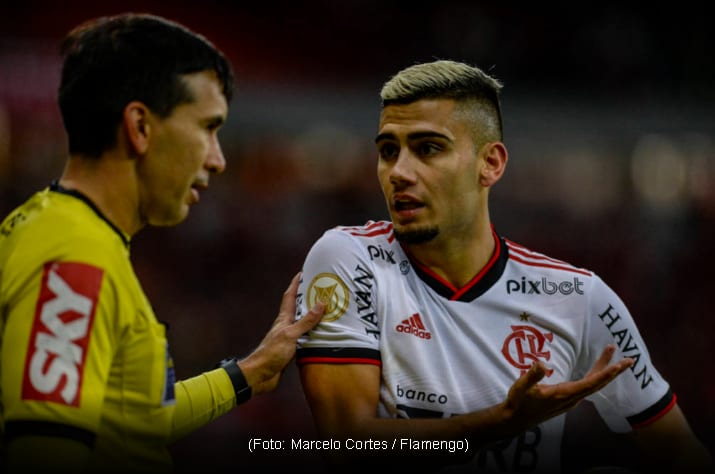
{"points": [[439, 149], [111, 61], [475, 92]]}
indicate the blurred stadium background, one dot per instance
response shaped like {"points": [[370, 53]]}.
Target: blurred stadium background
{"points": [[609, 120]]}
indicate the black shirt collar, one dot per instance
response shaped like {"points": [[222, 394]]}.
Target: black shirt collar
{"points": [[56, 187], [478, 285]]}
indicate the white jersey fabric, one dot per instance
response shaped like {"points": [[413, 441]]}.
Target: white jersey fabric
{"points": [[445, 351]]}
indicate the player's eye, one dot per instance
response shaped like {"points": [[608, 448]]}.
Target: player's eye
{"points": [[388, 151], [428, 148]]}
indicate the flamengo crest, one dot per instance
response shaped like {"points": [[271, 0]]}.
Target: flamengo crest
{"points": [[525, 345]]}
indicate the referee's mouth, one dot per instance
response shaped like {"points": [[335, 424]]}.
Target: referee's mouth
{"points": [[196, 189]]}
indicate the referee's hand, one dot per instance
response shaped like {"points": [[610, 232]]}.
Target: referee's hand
{"points": [[264, 366]]}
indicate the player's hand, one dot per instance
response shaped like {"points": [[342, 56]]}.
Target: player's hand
{"points": [[529, 402], [264, 366]]}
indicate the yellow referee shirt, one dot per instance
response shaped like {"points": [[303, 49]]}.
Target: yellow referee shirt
{"points": [[82, 355]]}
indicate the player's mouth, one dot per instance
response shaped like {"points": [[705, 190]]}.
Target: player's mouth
{"points": [[406, 207]]}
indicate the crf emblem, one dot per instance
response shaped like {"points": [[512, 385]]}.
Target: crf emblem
{"points": [[525, 345]]}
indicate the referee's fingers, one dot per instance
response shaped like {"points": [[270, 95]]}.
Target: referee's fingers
{"points": [[290, 293], [286, 313], [311, 318]]}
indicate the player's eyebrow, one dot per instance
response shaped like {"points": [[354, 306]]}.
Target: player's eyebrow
{"points": [[413, 136]]}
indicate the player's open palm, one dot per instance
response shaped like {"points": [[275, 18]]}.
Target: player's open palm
{"points": [[530, 402]]}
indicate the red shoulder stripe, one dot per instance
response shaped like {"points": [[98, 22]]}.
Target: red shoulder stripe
{"points": [[523, 255], [373, 230]]}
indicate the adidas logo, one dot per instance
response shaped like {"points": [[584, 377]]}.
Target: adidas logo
{"points": [[414, 325]]}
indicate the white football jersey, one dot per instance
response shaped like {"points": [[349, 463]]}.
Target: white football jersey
{"points": [[445, 351]]}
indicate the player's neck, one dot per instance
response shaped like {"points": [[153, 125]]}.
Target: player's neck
{"points": [[457, 259]]}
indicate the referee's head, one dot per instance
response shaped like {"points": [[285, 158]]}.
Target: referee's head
{"points": [[111, 61]]}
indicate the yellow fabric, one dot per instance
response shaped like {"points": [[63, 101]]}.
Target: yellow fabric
{"points": [[80, 346]]}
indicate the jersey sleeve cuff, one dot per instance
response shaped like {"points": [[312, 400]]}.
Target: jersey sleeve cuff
{"points": [[656, 411], [333, 355]]}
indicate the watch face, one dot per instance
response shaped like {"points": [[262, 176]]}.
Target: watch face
{"points": [[226, 361]]}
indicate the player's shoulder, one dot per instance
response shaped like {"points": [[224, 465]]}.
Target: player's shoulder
{"points": [[531, 261], [370, 233], [359, 241], [369, 230]]}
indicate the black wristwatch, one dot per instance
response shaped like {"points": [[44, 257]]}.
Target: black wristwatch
{"points": [[238, 380]]}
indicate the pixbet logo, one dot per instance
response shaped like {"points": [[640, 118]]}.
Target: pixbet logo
{"points": [[379, 252], [547, 287], [57, 348]]}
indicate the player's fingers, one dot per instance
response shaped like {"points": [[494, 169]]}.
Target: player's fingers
{"points": [[615, 369], [609, 372], [597, 379], [604, 359], [535, 373]]}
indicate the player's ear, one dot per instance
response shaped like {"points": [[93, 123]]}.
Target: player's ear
{"points": [[493, 157], [136, 125]]}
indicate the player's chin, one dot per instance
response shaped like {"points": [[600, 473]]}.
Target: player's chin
{"points": [[415, 234]]}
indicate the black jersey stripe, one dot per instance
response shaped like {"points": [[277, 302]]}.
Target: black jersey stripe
{"points": [[338, 355], [660, 408], [17, 428], [479, 284]]}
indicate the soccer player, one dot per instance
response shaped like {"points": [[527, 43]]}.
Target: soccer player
{"points": [[86, 375], [431, 317]]}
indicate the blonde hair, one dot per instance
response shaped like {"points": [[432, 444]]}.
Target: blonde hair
{"points": [[476, 92]]}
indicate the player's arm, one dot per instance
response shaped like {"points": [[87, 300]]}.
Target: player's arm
{"points": [[669, 445], [344, 398], [666, 442]]}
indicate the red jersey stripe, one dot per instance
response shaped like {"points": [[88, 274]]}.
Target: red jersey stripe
{"points": [[338, 360], [484, 271], [548, 265], [370, 230], [531, 254], [658, 415]]}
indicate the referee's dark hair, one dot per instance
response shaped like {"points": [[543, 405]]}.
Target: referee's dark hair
{"points": [[114, 60]]}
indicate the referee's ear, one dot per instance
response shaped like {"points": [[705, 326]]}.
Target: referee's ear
{"points": [[492, 163], [136, 127]]}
